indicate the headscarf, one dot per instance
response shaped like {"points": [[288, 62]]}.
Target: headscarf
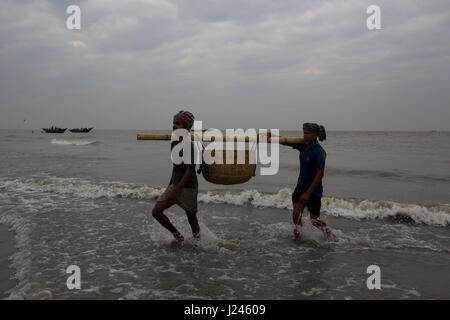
{"points": [[186, 118], [315, 128]]}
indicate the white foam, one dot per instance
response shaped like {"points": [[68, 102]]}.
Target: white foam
{"points": [[76, 142], [348, 208], [21, 259], [366, 209], [81, 188]]}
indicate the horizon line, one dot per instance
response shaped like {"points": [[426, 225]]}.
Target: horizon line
{"points": [[297, 129]]}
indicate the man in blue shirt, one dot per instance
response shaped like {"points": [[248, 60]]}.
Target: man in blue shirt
{"points": [[309, 189]]}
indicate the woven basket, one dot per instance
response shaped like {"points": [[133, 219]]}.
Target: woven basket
{"points": [[229, 173]]}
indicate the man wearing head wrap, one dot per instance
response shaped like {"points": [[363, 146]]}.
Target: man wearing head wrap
{"points": [[183, 186], [309, 190], [185, 118]]}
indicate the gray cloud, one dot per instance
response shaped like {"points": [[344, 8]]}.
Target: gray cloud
{"points": [[233, 63]]}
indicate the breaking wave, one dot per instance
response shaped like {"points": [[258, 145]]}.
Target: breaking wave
{"points": [[76, 142], [435, 215]]}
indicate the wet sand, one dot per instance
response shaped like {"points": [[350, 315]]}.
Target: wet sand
{"points": [[6, 250]]}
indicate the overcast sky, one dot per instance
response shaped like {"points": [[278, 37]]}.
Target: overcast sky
{"points": [[233, 63]]}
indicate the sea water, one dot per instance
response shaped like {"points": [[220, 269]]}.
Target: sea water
{"points": [[86, 200]]}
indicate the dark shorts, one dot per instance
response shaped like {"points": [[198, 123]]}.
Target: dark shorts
{"points": [[186, 198], [313, 204]]}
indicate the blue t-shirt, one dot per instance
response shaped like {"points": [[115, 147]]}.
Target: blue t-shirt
{"points": [[311, 161]]}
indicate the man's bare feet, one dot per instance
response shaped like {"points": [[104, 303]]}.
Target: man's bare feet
{"points": [[296, 234], [196, 240], [329, 234], [178, 241]]}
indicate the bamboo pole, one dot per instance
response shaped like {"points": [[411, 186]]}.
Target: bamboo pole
{"points": [[280, 140]]}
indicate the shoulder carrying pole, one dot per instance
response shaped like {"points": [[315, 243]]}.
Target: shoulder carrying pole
{"points": [[280, 140]]}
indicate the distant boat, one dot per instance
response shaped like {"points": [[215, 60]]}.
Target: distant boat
{"points": [[81, 129], [54, 130]]}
